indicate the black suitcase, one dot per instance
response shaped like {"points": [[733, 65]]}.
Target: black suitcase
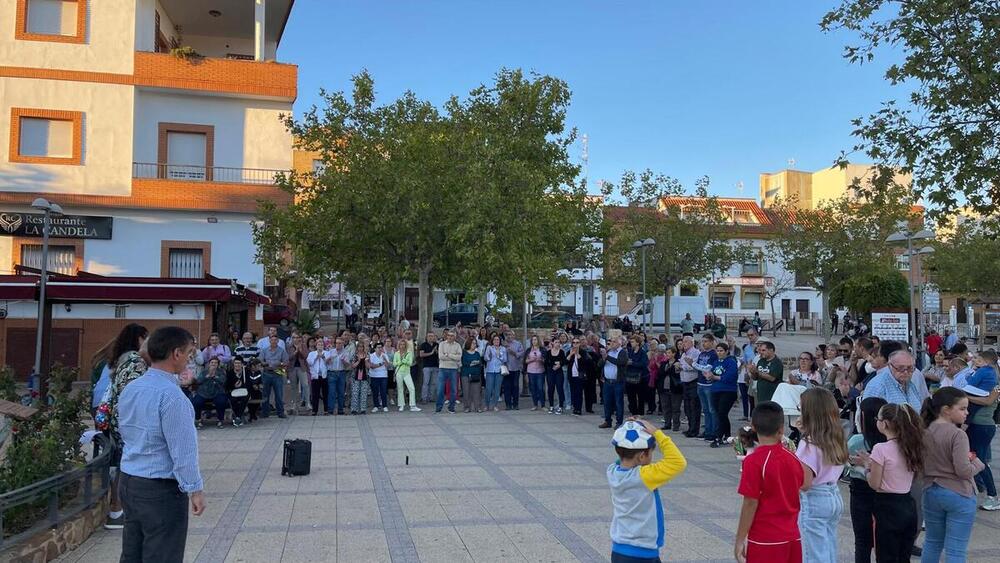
{"points": [[296, 461]]}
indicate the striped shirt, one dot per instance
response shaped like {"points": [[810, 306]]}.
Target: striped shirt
{"points": [[156, 422]]}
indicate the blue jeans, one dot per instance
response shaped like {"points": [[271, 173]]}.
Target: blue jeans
{"points": [[821, 507], [536, 385], [335, 394], [707, 410], [980, 438], [614, 401], [277, 384], [220, 401], [380, 391], [444, 375], [948, 518], [510, 389], [492, 389]]}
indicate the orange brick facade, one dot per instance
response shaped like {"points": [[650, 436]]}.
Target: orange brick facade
{"points": [[155, 193], [162, 70]]}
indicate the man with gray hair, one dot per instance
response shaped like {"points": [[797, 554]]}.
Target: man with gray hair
{"points": [[896, 385], [689, 379]]}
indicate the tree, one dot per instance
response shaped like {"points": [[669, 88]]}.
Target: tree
{"points": [[871, 289], [967, 261], [780, 284], [479, 194], [839, 239], [947, 131], [690, 233]]}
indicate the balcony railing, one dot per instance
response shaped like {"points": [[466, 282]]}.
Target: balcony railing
{"points": [[188, 173]]}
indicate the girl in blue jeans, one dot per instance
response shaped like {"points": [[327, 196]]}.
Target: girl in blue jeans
{"points": [[822, 453], [494, 358], [950, 500]]}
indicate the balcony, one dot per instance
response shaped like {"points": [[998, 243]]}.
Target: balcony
{"points": [[269, 80], [201, 188]]}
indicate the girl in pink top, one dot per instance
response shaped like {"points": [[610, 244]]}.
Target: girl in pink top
{"points": [[890, 468], [822, 453], [534, 366]]}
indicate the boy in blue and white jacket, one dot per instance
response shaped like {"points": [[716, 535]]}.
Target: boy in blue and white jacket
{"points": [[637, 524]]}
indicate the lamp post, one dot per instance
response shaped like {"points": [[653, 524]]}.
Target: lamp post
{"points": [[50, 210], [907, 235], [642, 244]]}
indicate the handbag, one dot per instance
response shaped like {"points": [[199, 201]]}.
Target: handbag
{"points": [[239, 392], [504, 370]]}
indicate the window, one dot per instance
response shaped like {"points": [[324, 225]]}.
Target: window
{"points": [[318, 166], [120, 311], [62, 258], [186, 263], [742, 216], [39, 136], [62, 21], [689, 289], [752, 299], [185, 259], [186, 151], [721, 297], [903, 262], [754, 265]]}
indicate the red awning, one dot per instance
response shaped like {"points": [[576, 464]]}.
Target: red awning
{"points": [[100, 289]]}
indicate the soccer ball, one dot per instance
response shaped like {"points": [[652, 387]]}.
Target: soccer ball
{"points": [[632, 436]]}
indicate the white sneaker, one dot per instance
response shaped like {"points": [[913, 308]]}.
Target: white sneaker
{"points": [[558, 410], [374, 409], [385, 409], [991, 503], [413, 408], [400, 408]]}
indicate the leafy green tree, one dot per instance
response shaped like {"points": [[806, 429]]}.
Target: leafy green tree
{"points": [[840, 239], [692, 234], [479, 194], [967, 261], [946, 129], [872, 289]]}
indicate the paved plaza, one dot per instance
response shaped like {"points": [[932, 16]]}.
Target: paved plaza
{"points": [[424, 487]]}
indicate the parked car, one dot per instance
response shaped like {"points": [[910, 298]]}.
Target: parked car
{"points": [[545, 319], [465, 313], [281, 315]]}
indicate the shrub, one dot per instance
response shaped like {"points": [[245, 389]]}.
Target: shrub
{"points": [[45, 445]]}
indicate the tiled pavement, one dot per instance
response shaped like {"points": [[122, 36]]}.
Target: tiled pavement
{"points": [[423, 487]]}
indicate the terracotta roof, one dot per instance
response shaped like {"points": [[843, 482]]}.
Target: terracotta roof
{"points": [[737, 203]]}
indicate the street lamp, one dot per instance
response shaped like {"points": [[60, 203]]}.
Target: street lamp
{"points": [[906, 234], [642, 244], [50, 210]]}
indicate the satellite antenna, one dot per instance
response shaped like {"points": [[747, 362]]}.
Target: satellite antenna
{"points": [[791, 163], [739, 187], [585, 155]]}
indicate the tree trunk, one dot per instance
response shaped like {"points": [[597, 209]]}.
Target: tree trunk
{"points": [[666, 307], [481, 315], [425, 298], [824, 321]]}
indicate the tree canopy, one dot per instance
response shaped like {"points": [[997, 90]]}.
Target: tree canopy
{"points": [[966, 261], [840, 238], [945, 127], [480, 194], [692, 242]]}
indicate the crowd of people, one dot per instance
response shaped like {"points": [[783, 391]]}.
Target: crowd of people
{"points": [[858, 411]]}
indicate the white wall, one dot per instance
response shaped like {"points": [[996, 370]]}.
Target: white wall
{"points": [[108, 47], [248, 133], [107, 137], [134, 249], [149, 311], [145, 18]]}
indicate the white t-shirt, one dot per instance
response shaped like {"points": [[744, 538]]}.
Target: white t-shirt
{"points": [[378, 364]]}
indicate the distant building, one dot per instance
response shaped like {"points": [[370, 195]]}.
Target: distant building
{"points": [[809, 189]]}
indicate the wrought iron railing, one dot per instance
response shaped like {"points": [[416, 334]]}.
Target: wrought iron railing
{"points": [[190, 173], [61, 497]]}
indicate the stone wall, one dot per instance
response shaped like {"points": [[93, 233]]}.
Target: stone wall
{"points": [[48, 544]]}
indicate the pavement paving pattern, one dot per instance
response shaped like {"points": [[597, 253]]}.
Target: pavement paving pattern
{"points": [[401, 487]]}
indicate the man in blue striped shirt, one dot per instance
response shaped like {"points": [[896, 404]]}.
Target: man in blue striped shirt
{"points": [[159, 463]]}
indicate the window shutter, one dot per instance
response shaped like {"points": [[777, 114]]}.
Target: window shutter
{"points": [[62, 259], [186, 263]]}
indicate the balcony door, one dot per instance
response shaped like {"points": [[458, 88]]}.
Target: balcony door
{"points": [[186, 156]]}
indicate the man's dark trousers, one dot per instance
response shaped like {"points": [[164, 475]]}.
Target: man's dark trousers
{"points": [[156, 520], [692, 407]]}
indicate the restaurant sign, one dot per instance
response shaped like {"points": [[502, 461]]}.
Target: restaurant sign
{"points": [[64, 226]]}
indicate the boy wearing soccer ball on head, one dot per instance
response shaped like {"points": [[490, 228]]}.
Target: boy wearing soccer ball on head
{"points": [[637, 523], [770, 483]]}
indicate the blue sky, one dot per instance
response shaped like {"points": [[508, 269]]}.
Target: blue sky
{"points": [[724, 89]]}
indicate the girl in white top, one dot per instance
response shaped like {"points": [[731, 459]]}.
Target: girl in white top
{"points": [[316, 365]]}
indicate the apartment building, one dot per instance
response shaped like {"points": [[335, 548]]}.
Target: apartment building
{"points": [[809, 189], [155, 125]]}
